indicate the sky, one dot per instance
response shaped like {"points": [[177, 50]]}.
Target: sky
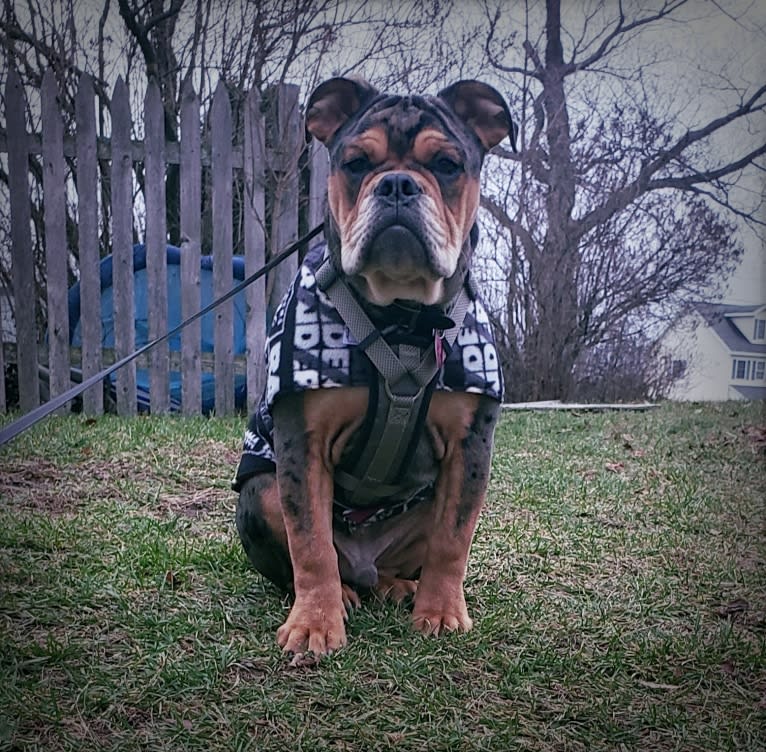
{"points": [[728, 49], [712, 47], [726, 45]]}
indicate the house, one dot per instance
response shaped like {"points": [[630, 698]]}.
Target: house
{"points": [[718, 352]]}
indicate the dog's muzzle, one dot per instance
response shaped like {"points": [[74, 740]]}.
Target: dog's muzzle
{"points": [[396, 241]]}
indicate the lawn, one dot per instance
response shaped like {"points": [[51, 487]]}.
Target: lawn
{"points": [[617, 585]]}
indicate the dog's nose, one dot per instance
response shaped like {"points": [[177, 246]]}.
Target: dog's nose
{"points": [[397, 188]]}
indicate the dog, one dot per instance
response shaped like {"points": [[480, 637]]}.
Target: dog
{"points": [[366, 463]]}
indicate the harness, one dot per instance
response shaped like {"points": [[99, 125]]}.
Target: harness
{"points": [[405, 374]]}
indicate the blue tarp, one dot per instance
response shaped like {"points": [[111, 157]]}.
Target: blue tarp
{"points": [[140, 285]]}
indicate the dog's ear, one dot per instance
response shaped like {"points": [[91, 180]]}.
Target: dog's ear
{"points": [[332, 104], [483, 109]]}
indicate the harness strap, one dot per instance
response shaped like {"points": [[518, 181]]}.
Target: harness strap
{"points": [[402, 380], [459, 309], [359, 324]]}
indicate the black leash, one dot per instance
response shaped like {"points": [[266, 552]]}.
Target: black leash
{"points": [[34, 416]]}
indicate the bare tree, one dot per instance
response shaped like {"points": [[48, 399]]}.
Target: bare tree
{"points": [[246, 43], [628, 364], [612, 207]]}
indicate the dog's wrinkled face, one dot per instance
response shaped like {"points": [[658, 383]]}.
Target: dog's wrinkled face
{"points": [[403, 192]]}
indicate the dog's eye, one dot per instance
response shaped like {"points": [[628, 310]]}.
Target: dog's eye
{"points": [[357, 165], [446, 166]]}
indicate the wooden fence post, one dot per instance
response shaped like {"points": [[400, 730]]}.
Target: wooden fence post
{"points": [[22, 260], [122, 247], [156, 246], [254, 158], [319, 166], [191, 233], [87, 211], [222, 163], [56, 251], [284, 229]]}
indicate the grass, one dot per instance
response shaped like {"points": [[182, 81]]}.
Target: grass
{"points": [[617, 583]]}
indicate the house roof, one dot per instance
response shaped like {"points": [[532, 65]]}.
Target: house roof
{"points": [[719, 317], [751, 393]]}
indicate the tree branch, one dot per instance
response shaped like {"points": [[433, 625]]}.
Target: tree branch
{"points": [[619, 199], [174, 9], [139, 32], [515, 228], [620, 30]]}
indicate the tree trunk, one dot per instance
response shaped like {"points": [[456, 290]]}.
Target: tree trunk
{"points": [[550, 343]]}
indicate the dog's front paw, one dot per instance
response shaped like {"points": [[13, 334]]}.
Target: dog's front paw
{"points": [[318, 630], [433, 616]]}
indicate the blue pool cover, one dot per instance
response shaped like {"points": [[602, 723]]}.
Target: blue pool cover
{"points": [[140, 285]]}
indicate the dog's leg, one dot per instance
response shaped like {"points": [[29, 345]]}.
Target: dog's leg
{"points": [[262, 530], [463, 425], [310, 430]]}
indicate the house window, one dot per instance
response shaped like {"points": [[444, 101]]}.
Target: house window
{"points": [[759, 329], [740, 369], [748, 370]]}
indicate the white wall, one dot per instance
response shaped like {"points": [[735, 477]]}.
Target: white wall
{"points": [[708, 369]]}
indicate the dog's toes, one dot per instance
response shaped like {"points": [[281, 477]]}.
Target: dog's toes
{"points": [[319, 642], [319, 633], [395, 589], [436, 624], [292, 640], [325, 642], [439, 616], [351, 599]]}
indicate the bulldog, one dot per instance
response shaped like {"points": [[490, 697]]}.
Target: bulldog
{"points": [[366, 464]]}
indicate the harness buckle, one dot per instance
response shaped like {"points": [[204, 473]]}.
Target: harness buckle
{"points": [[402, 406]]}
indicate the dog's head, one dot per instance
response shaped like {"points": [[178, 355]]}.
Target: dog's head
{"points": [[403, 192]]}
